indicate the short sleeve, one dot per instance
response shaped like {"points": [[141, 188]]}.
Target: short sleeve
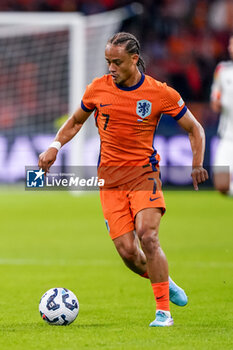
{"points": [[216, 85], [87, 103], [172, 103]]}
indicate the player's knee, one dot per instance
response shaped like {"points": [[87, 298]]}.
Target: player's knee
{"points": [[149, 242], [127, 252]]}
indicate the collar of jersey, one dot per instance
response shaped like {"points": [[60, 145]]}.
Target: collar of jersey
{"points": [[134, 87]]}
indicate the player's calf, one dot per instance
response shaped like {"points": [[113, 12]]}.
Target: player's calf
{"points": [[128, 248]]}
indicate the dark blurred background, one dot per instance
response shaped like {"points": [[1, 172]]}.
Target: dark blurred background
{"points": [[182, 42]]}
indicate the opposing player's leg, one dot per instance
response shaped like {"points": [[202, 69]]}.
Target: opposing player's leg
{"points": [[223, 167], [222, 181]]}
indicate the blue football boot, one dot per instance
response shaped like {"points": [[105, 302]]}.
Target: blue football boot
{"points": [[176, 294], [162, 319]]}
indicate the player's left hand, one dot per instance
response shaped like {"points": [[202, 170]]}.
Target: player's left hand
{"points": [[199, 175]]}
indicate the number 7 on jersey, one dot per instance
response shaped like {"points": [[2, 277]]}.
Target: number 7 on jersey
{"points": [[107, 119]]}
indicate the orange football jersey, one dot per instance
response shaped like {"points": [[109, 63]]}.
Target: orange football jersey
{"points": [[127, 118]]}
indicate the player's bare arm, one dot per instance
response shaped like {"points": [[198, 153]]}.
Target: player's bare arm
{"points": [[68, 130], [197, 139]]}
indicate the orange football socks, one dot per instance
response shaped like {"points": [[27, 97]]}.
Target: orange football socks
{"points": [[145, 275], [161, 293]]}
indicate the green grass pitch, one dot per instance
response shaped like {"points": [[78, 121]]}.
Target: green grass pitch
{"points": [[57, 240]]}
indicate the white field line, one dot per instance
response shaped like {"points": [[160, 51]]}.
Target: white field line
{"points": [[101, 262], [34, 262], [205, 264]]}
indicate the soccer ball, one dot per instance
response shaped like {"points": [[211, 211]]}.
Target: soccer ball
{"points": [[59, 306]]}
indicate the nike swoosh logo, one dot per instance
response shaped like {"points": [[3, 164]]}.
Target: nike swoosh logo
{"points": [[154, 199], [157, 298], [108, 104]]}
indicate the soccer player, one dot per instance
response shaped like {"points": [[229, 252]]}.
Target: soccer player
{"points": [[222, 102], [128, 105]]}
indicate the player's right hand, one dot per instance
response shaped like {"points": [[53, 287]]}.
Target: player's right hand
{"points": [[47, 158], [199, 175]]}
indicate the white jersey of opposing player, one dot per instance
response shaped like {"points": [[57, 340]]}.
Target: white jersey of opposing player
{"points": [[222, 89]]}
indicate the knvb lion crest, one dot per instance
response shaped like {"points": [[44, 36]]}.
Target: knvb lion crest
{"points": [[143, 108]]}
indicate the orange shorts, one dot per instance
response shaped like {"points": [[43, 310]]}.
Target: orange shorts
{"points": [[122, 203]]}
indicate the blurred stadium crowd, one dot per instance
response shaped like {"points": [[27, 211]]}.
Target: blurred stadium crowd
{"points": [[182, 40]]}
